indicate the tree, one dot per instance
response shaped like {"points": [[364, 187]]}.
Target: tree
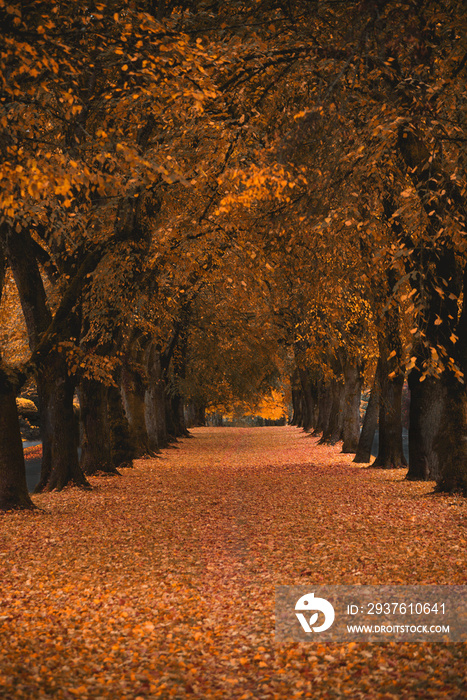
{"points": [[13, 488], [233, 356]]}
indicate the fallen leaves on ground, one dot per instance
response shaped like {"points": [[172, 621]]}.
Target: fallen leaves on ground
{"points": [[160, 583]]}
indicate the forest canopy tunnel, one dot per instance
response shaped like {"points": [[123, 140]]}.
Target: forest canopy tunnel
{"points": [[205, 203]]}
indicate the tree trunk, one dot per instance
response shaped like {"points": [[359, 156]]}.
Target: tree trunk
{"points": [[133, 394], [96, 453], [175, 415], [156, 423], [370, 423], [122, 448], [176, 404], [351, 417], [180, 408], [451, 443], [334, 429], [324, 408], [390, 449], [437, 432], [13, 488], [200, 415], [308, 394], [161, 415], [296, 399], [427, 400], [152, 427], [195, 415], [217, 419], [55, 388], [60, 466], [297, 402]]}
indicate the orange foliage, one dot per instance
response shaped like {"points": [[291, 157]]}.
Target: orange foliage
{"points": [[271, 407]]}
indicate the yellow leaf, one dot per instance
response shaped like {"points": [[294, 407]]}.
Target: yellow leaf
{"points": [[63, 187]]}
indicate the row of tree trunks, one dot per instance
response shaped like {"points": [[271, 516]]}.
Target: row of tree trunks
{"points": [[107, 440], [339, 417], [329, 408], [309, 398], [339, 409], [111, 436], [195, 414], [434, 409], [153, 404], [438, 429], [305, 400], [119, 426]]}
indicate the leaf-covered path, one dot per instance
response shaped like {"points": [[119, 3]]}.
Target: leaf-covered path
{"points": [[160, 583]]}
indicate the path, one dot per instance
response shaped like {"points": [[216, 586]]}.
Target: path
{"points": [[161, 583]]}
